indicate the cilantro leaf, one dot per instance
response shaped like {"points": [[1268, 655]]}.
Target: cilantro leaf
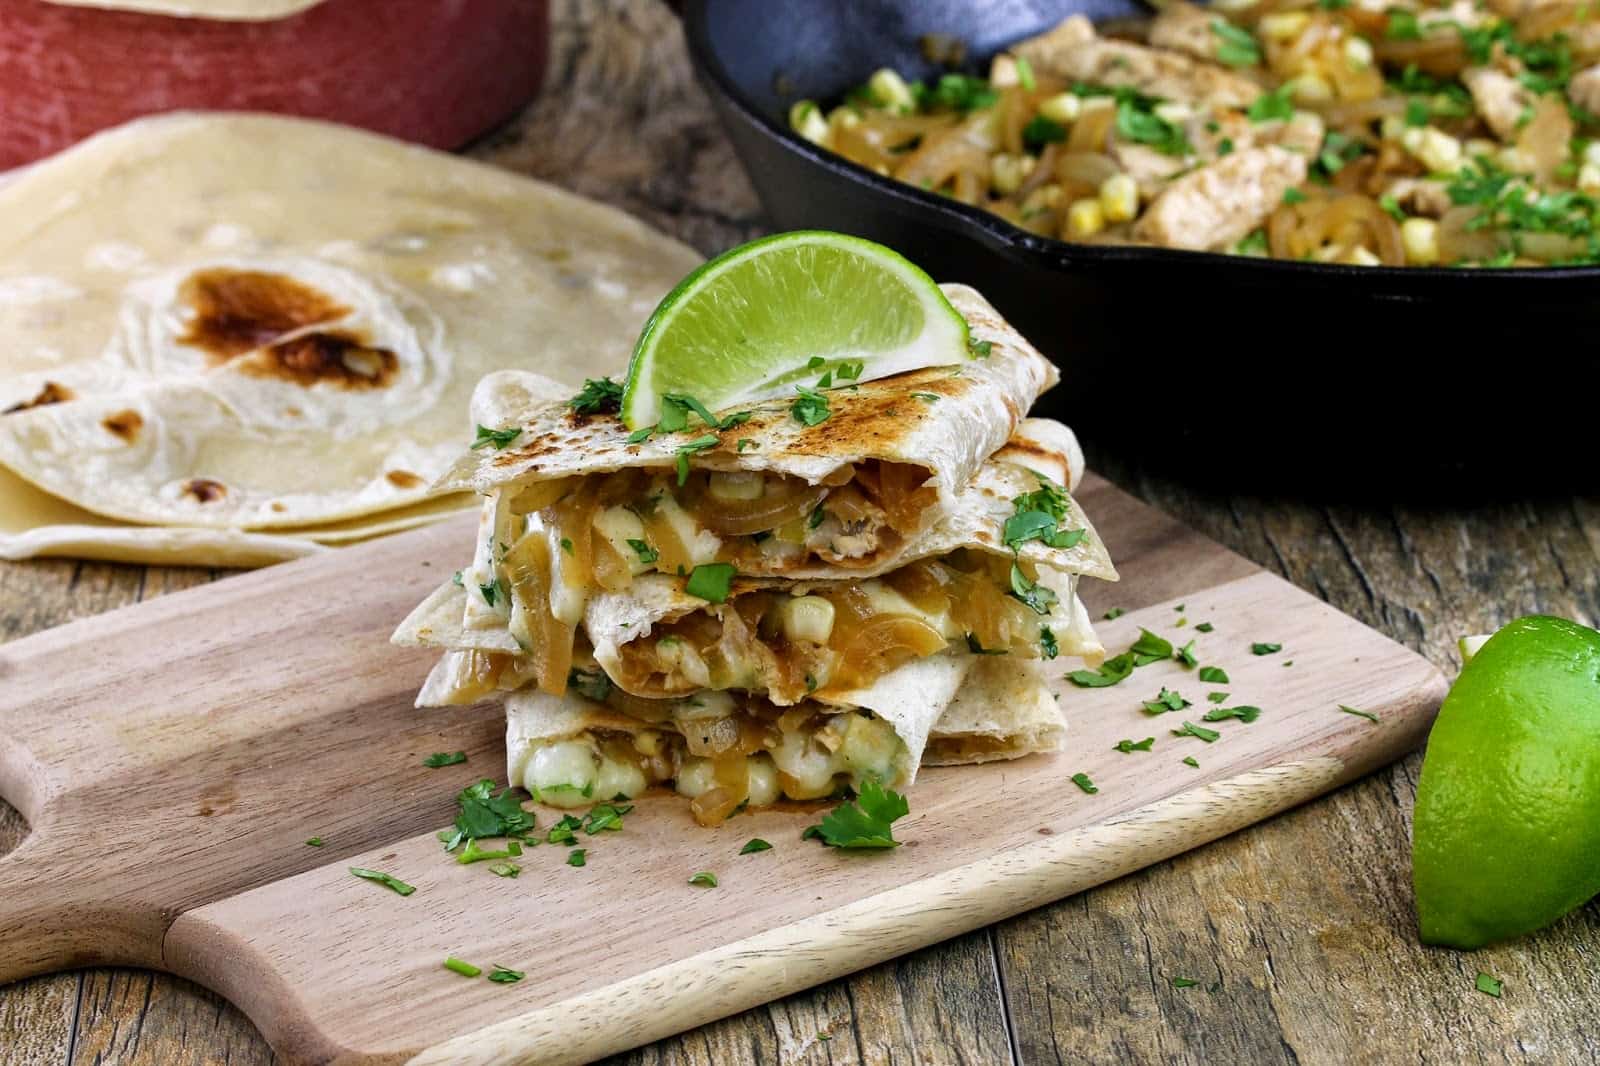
{"points": [[1115, 613], [1040, 598], [442, 758], [1137, 121], [865, 823], [1200, 732], [1204, 627], [810, 407], [646, 553], [711, 582], [1489, 986], [1047, 643], [578, 857], [1111, 672], [980, 349], [753, 845], [315, 842], [1128, 747], [604, 816], [1278, 104], [1402, 25], [1083, 782], [1165, 702], [1185, 655], [1213, 675], [505, 869], [704, 878], [1263, 648], [699, 444], [1041, 131], [388, 881], [483, 815], [1189, 760], [1183, 982], [502, 976], [597, 394], [1243, 712], [497, 438], [1150, 648], [1368, 715], [1236, 46]]}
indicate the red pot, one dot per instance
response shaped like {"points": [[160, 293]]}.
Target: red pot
{"points": [[439, 72]]}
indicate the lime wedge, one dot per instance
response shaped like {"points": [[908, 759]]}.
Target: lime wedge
{"points": [[783, 311]]}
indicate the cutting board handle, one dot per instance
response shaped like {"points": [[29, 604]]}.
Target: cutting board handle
{"points": [[31, 919]]}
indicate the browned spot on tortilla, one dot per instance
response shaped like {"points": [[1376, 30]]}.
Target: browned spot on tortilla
{"points": [[277, 507], [51, 393], [124, 424], [238, 311], [204, 490], [1021, 451], [337, 357], [404, 479]]}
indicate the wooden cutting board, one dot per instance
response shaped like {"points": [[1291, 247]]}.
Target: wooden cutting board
{"points": [[172, 759]]}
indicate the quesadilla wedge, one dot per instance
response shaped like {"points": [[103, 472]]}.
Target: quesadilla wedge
{"points": [[726, 752], [968, 584]]}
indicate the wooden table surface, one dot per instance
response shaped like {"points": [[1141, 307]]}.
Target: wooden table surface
{"points": [[1300, 930]]}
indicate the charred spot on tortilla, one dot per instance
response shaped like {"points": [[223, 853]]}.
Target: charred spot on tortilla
{"points": [[404, 479], [51, 393], [204, 490], [337, 357], [238, 311], [277, 507], [123, 424]]}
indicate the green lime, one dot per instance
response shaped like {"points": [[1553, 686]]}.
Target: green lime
{"points": [[1506, 837], [783, 311]]}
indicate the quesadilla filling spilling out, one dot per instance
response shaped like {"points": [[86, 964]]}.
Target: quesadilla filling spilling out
{"points": [[721, 750]]}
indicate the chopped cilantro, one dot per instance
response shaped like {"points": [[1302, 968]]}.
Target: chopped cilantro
{"points": [[496, 438], [1047, 642], [810, 407], [1217, 697], [1150, 648], [1200, 732], [597, 394], [566, 545], [505, 869], [927, 397], [1236, 46], [1184, 982], [1293, 196], [1083, 782], [1263, 648], [442, 758], [1213, 675], [465, 969], [455, 579], [472, 853], [1402, 25], [1204, 627], [591, 684], [1368, 715], [646, 553], [980, 349], [1165, 702], [566, 830], [818, 516], [1488, 985], [864, 824], [1137, 121], [849, 371], [578, 857], [954, 92], [388, 881], [1252, 243], [1417, 112], [1115, 613], [1111, 672], [1041, 131], [483, 815], [315, 842], [753, 845], [639, 435], [495, 591], [1243, 712], [1225, 147], [705, 878], [1041, 599], [502, 976], [1337, 150], [604, 816], [1277, 104], [710, 582], [1128, 747], [1189, 760], [746, 443], [1185, 655], [699, 444], [1392, 207]]}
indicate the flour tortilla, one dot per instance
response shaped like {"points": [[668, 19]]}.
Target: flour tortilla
{"points": [[978, 405], [425, 273], [1020, 717], [221, 10]]}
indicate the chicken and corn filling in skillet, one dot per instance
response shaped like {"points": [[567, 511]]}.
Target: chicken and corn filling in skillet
{"points": [[1368, 132]]}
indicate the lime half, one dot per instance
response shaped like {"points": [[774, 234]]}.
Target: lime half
{"points": [[783, 311]]}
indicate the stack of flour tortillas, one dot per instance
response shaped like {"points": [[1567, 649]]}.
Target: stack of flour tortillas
{"points": [[235, 339]]}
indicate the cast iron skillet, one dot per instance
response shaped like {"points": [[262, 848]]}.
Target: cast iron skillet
{"points": [[1256, 370]]}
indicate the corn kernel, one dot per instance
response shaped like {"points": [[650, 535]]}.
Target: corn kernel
{"points": [[806, 618], [1003, 73], [1284, 25], [1420, 239], [1330, 253], [1095, 103], [1438, 151], [1062, 108], [1085, 218], [1480, 146], [1044, 198], [1359, 256], [843, 118], [1119, 198], [1393, 128], [1006, 172], [1358, 53], [1516, 160], [1591, 153], [805, 118], [1312, 89], [891, 92], [1589, 178]]}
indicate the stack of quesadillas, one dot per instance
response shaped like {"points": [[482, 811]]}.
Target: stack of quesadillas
{"points": [[757, 604]]}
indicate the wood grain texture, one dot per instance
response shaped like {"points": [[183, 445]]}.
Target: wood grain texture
{"points": [[231, 723], [1307, 916]]}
